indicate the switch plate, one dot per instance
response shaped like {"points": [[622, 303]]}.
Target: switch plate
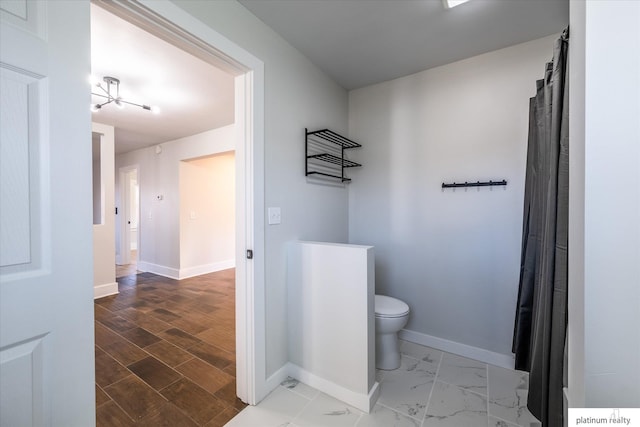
{"points": [[274, 216]]}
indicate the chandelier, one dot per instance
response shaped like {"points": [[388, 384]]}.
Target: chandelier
{"points": [[111, 94]]}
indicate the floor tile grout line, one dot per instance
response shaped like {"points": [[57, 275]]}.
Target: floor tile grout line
{"points": [[292, 390], [133, 344], [118, 405], [398, 412], [435, 379], [505, 420], [184, 412], [211, 395], [230, 409], [488, 394], [146, 383], [430, 401], [358, 420], [459, 387], [303, 407], [464, 388]]}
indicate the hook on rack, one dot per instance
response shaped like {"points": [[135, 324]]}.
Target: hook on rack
{"points": [[474, 184]]}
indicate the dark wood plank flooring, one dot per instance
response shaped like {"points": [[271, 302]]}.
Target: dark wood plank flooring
{"points": [[165, 352]]}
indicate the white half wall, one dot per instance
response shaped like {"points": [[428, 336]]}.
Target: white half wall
{"points": [[104, 243], [452, 255], [331, 319]]}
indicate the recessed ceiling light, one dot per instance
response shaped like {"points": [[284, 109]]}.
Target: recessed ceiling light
{"points": [[448, 4]]}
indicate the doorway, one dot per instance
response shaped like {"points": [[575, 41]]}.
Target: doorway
{"points": [[128, 228], [159, 19]]}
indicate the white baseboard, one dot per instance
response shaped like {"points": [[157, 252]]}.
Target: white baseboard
{"points": [[172, 273], [480, 354], [185, 273], [100, 291], [363, 402], [278, 377]]}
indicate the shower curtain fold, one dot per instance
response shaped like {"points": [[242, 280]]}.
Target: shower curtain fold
{"points": [[541, 312]]}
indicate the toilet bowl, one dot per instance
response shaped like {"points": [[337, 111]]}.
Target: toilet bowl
{"points": [[391, 315]]}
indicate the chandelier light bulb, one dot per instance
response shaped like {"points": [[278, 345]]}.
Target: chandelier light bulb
{"points": [[111, 94], [94, 81]]}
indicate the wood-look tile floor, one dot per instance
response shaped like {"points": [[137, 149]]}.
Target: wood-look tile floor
{"points": [[165, 352], [128, 269]]}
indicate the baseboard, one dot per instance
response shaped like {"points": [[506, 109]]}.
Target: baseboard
{"points": [[100, 291], [480, 354], [363, 402], [185, 273], [278, 377], [172, 273]]}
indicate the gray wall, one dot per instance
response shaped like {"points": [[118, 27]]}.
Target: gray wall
{"points": [[297, 95], [159, 175], [453, 256]]}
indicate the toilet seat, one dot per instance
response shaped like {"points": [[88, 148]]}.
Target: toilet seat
{"points": [[388, 307]]}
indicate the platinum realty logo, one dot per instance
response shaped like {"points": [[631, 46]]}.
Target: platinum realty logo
{"points": [[604, 416]]}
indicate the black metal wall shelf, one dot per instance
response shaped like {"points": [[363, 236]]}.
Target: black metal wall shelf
{"points": [[474, 184], [324, 154]]}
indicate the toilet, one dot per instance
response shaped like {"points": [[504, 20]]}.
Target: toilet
{"points": [[391, 315]]}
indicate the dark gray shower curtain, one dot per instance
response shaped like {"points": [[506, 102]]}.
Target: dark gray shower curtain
{"points": [[541, 315]]}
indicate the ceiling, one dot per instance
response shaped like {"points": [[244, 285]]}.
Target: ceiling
{"points": [[356, 42], [362, 42], [192, 96]]}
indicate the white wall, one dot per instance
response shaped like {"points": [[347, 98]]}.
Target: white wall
{"points": [[331, 320], [159, 182], [612, 204], [207, 214], [297, 95], [453, 256], [104, 256]]}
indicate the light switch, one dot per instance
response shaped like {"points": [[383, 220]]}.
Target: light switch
{"points": [[274, 216]]}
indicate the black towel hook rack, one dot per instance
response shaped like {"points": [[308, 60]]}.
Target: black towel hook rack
{"points": [[474, 184]]}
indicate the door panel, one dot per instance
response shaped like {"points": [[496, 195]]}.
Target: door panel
{"points": [[20, 206], [22, 385], [46, 280]]}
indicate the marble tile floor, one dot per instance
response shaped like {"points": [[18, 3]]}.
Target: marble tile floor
{"points": [[430, 389]]}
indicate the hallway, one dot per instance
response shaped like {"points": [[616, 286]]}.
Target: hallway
{"points": [[165, 352], [128, 269]]}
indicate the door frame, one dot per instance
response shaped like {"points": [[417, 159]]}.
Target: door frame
{"points": [[167, 21], [124, 254]]}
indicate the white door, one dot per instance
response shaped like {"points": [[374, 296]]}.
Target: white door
{"points": [[125, 214], [46, 281]]}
